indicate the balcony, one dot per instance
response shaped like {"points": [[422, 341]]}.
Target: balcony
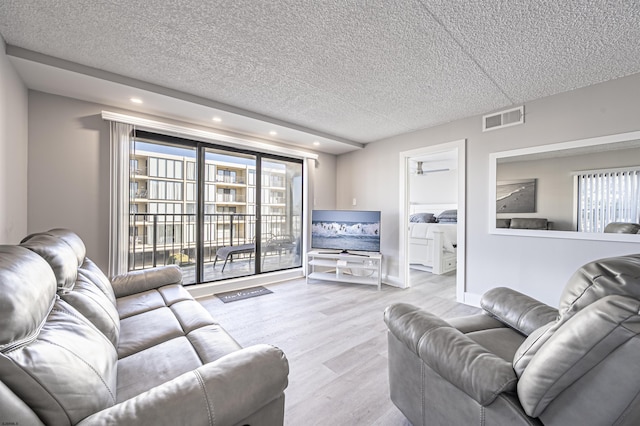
{"points": [[162, 239]]}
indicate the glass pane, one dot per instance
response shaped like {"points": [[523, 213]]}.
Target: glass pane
{"points": [[281, 215], [229, 226], [159, 233]]}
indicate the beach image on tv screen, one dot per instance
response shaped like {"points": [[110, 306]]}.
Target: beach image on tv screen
{"points": [[346, 230]]}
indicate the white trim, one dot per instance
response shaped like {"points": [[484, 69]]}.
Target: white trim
{"points": [[208, 289], [600, 171], [472, 299], [205, 135], [405, 156]]}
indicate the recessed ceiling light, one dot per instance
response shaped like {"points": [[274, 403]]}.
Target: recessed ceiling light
{"points": [[273, 133], [217, 119], [136, 100], [316, 143]]}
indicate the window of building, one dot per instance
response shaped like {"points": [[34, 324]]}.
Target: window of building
{"points": [[606, 196]]}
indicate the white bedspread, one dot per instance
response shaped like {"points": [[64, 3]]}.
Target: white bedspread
{"points": [[426, 230]]}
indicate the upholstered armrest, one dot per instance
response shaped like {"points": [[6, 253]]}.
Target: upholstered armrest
{"points": [[222, 392], [409, 323], [519, 311], [477, 372], [474, 370], [146, 279]]}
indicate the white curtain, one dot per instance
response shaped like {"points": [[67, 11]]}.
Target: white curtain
{"points": [[608, 196], [120, 146]]}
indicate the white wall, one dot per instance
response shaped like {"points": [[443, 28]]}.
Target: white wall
{"points": [[536, 266], [324, 178], [13, 153], [69, 170], [434, 188]]}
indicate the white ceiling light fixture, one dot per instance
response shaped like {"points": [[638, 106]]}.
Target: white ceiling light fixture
{"points": [[217, 119], [136, 100], [273, 133]]}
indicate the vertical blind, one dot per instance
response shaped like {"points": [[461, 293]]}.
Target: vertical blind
{"points": [[606, 196]]}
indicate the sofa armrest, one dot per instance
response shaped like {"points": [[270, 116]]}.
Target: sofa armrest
{"points": [[146, 279], [519, 311], [409, 323], [474, 370], [222, 392]]}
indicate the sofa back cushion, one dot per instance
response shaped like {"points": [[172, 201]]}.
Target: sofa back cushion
{"points": [[595, 352], [51, 357], [528, 223], [58, 254], [80, 281], [622, 228], [589, 284]]}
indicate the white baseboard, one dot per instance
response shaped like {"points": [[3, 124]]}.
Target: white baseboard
{"points": [[207, 289], [393, 281], [472, 299]]}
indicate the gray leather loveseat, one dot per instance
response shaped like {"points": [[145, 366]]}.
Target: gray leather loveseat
{"points": [[522, 362], [76, 348]]}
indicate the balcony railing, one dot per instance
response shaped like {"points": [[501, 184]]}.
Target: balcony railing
{"points": [[161, 239]]}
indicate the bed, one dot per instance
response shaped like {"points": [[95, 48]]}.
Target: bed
{"points": [[432, 246]]}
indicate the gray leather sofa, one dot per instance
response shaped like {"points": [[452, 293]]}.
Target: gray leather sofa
{"points": [[76, 348], [622, 228], [524, 223], [522, 362]]}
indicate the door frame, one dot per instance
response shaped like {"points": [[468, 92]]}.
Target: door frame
{"points": [[405, 156]]}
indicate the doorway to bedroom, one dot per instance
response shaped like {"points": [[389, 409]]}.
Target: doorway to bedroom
{"points": [[432, 211]]}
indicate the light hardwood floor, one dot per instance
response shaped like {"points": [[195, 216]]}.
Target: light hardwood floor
{"points": [[334, 337]]}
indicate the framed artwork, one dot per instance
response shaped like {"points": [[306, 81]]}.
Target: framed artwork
{"points": [[516, 196]]}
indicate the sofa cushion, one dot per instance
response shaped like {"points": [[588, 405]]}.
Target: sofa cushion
{"points": [[58, 254], [592, 282], [91, 271], [91, 302], [27, 292], [528, 223], [150, 328], [622, 228], [73, 240], [155, 365]]}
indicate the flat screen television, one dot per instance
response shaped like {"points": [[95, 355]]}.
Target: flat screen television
{"points": [[345, 230]]}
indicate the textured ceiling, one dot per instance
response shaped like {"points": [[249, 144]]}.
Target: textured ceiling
{"points": [[358, 70]]}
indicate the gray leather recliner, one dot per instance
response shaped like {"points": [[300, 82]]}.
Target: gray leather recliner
{"points": [[522, 362]]}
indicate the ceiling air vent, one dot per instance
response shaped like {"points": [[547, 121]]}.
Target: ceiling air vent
{"points": [[498, 120]]}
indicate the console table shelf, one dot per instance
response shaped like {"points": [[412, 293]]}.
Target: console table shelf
{"points": [[360, 268]]}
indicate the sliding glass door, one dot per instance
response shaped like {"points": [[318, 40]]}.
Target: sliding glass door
{"points": [[162, 207], [216, 212], [229, 243], [281, 214]]}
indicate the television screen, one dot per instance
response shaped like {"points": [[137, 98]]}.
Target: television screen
{"points": [[345, 230]]}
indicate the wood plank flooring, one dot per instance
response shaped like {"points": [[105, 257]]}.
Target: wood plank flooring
{"points": [[334, 337]]}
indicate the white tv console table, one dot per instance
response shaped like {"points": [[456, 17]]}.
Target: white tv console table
{"points": [[346, 268]]}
